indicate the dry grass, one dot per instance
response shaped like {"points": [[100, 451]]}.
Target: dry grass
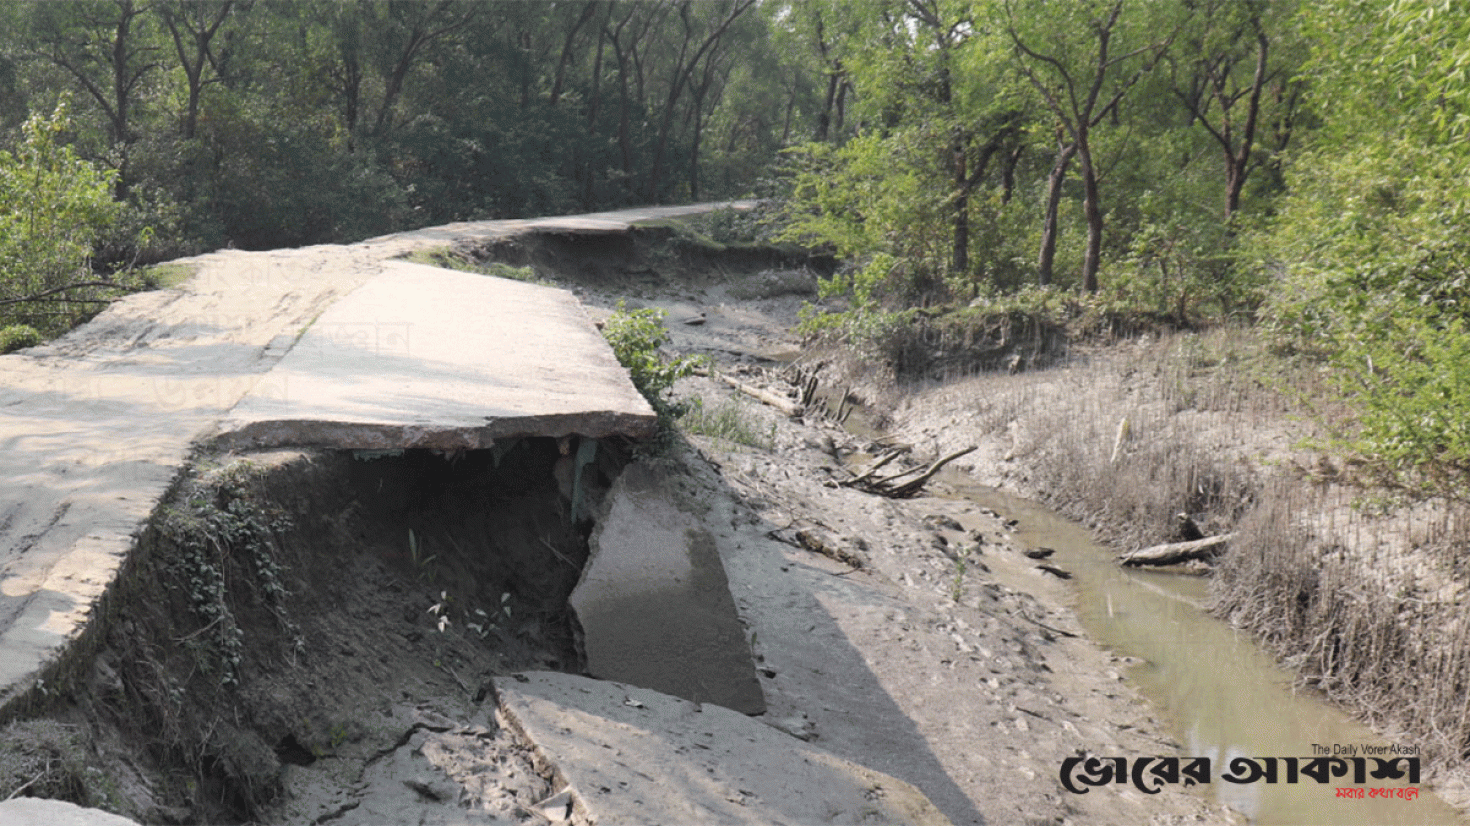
{"points": [[1366, 603], [1364, 598]]}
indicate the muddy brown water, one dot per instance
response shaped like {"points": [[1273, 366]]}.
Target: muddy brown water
{"points": [[1222, 694]]}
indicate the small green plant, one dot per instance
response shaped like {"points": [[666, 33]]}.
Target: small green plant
{"points": [[957, 586], [730, 421], [636, 336], [164, 276], [18, 337], [490, 622]]}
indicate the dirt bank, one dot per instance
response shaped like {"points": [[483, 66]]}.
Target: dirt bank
{"points": [[295, 624]]}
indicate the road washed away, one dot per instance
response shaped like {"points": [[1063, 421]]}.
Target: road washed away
{"points": [[473, 580]]}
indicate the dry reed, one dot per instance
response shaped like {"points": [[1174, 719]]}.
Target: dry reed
{"points": [[1364, 598]]}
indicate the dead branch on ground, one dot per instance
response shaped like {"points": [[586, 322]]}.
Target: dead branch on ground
{"points": [[779, 402], [885, 485]]}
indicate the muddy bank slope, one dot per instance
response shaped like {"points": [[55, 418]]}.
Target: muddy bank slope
{"points": [[1126, 438]]}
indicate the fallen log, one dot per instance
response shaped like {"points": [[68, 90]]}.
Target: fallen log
{"points": [[781, 403], [1172, 553], [865, 475]]}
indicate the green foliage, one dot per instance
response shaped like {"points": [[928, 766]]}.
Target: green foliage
{"points": [[221, 538], [867, 202], [53, 208], [274, 124], [636, 337], [1371, 240], [18, 337], [1411, 385], [450, 259]]}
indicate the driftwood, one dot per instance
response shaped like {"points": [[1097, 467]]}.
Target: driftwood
{"points": [[1172, 553], [779, 402], [885, 486], [878, 465]]}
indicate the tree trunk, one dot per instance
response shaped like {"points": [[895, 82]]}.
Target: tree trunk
{"points": [[1047, 257], [682, 73], [588, 9], [1092, 210], [961, 258], [1008, 173], [694, 151], [1175, 552]]}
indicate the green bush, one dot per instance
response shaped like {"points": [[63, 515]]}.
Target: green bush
{"points": [[18, 337], [1371, 241], [54, 207], [636, 336]]}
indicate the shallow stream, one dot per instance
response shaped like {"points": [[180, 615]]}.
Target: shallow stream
{"points": [[1222, 694]]}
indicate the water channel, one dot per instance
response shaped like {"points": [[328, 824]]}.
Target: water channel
{"points": [[1223, 695]]}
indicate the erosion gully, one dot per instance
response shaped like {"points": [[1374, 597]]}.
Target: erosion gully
{"points": [[1221, 694]]}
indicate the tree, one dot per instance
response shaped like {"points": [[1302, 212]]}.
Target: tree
{"points": [[1081, 75], [192, 26], [53, 208], [103, 45], [1371, 236], [694, 50], [1223, 86]]}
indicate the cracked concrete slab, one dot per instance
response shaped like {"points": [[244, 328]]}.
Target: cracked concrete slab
{"points": [[97, 424], [635, 756], [34, 811], [424, 357]]}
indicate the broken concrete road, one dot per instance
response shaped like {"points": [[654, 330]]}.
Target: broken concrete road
{"points": [[423, 357], [635, 756], [97, 424], [31, 811]]}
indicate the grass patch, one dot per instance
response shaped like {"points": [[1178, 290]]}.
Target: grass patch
{"points": [[450, 259], [44, 758], [730, 421], [167, 276]]}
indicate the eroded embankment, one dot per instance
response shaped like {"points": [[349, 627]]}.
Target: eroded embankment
{"points": [[304, 622], [1363, 600]]}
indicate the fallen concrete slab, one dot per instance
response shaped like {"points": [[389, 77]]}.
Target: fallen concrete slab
{"points": [[635, 756], [654, 604], [421, 357]]}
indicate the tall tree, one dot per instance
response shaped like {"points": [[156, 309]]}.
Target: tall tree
{"points": [[192, 25], [1231, 66], [698, 45], [404, 31], [105, 47], [1081, 73]]}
